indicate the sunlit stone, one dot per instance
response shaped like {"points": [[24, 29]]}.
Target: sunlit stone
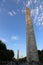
{"points": [[32, 54]]}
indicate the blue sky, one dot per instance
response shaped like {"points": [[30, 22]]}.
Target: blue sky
{"points": [[13, 23]]}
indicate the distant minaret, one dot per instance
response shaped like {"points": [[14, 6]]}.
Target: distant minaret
{"points": [[17, 54], [32, 54]]}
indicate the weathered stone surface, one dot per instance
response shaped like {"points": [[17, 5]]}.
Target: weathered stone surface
{"points": [[32, 54]]}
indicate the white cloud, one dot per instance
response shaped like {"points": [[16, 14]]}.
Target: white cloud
{"points": [[40, 6], [28, 3], [35, 11], [35, 1], [42, 23], [10, 13], [15, 38], [23, 10], [39, 19], [14, 13], [32, 11]]}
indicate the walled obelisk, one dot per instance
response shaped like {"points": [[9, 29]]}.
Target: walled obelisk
{"points": [[32, 54]]}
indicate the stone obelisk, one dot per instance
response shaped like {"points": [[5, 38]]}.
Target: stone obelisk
{"points": [[32, 54], [17, 54]]}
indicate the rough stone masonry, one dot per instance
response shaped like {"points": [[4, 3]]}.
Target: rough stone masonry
{"points": [[32, 54]]}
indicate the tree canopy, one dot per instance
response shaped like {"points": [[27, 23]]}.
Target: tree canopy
{"points": [[5, 54], [2, 46], [40, 54]]}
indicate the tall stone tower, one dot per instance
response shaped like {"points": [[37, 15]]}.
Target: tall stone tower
{"points": [[32, 54], [17, 54]]}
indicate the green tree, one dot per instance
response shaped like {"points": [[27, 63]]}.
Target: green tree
{"points": [[10, 54], [2, 46], [5, 54], [40, 54]]}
